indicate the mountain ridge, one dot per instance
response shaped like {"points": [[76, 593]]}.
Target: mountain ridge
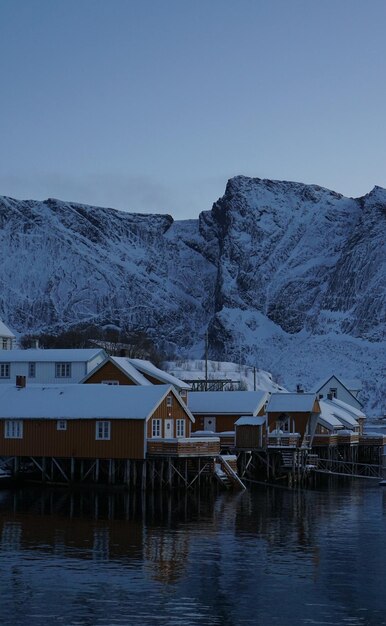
{"points": [[272, 265]]}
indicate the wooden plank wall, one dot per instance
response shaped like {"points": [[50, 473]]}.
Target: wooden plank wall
{"points": [[41, 438], [109, 371], [175, 412]]}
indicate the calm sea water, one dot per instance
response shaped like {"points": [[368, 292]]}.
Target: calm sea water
{"points": [[267, 556]]}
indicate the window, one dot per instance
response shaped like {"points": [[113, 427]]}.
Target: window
{"points": [[156, 427], [334, 392], [4, 370], [102, 430], [5, 344], [110, 382], [180, 428], [61, 425], [13, 429], [183, 393], [169, 401], [62, 370], [31, 370]]}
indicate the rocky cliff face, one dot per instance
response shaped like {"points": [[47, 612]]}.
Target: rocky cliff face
{"points": [[287, 274]]}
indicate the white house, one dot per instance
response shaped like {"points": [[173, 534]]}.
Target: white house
{"points": [[49, 366], [334, 387], [7, 338]]}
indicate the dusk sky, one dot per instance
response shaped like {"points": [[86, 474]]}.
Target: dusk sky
{"points": [[151, 105]]}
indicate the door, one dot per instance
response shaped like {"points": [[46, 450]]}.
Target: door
{"points": [[169, 430], [210, 423]]}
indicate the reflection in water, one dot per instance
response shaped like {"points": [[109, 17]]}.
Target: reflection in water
{"points": [[267, 556]]}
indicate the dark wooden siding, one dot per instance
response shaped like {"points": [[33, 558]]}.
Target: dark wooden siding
{"points": [[175, 412], [249, 437], [301, 421], [223, 422], [41, 438], [109, 371]]}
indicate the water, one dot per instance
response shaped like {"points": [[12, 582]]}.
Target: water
{"points": [[265, 557]]}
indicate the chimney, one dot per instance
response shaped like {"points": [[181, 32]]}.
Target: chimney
{"points": [[21, 382]]}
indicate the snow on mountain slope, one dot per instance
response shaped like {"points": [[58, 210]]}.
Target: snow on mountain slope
{"points": [[285, 276]]}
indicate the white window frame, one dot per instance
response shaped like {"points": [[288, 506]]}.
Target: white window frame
{"points": [[103, 430], [180, 427], [13, 429], [156, 432], [63, 370], [61, 425], [32, 369], [5, 370], [169, 401], [334, 392], [110, 382], [5, 344]]}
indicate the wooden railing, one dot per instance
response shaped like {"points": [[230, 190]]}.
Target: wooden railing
{"points": [[347, 468], [185, 446], [229, 471], [348, 438], [227, 439], [325, 439], [286, 440], [372, 439]]}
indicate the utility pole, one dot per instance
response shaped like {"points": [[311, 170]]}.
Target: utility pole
{"points": [[206, 361]]}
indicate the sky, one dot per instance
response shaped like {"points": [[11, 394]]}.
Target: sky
{"points": [[152, 105]]}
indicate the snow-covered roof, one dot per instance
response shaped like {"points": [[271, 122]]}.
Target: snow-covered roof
{"points": [[5, 332], [227, 402], [284, 402], [125, 366], [344, 416], [82, 401], [50, 355], [327, 417], [146, 367], [349, 408], [250, 420]]}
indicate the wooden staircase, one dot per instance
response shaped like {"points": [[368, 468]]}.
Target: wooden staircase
{"points": [[225, 471]]}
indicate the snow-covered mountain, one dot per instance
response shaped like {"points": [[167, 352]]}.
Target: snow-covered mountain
{"points": [[286, 276]]}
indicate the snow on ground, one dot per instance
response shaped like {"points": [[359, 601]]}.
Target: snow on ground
{"points": [[244, 375]]}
